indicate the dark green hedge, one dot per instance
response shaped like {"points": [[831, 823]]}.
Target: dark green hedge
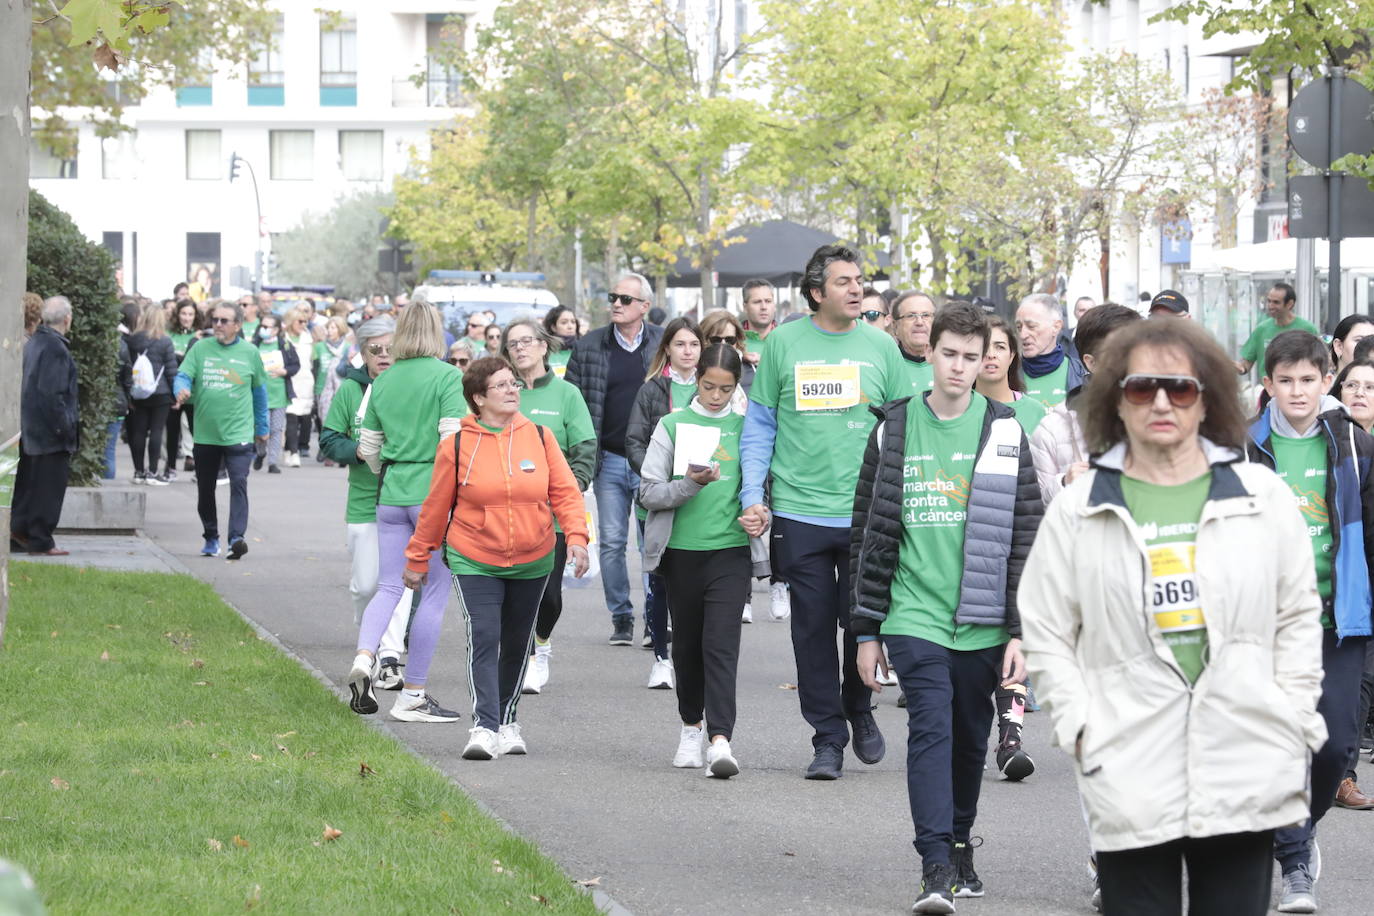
{"points": [[63, 262]]}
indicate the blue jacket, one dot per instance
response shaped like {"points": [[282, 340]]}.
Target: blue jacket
{"points": [[1350, 502]]}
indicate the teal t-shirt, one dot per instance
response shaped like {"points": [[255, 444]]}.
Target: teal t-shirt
{"points": [[1302, 464], [710, 519], [222, 383], [1029, 412], [921, 375], [180, 342], [276, 384], [558, 405], [558, 362], [1050, 390], [937, 472], [408, 401], [343, 417], [1252, 351], [1168, 517], [821, 386], [249, 328], [753, 343]]}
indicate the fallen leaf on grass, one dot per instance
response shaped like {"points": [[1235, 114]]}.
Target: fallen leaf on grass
{"points": [[443, 815], [197, 663], [287, 735], [214, 844], [309, 754], [60, 784], [364, 770], [240, 842], [540, 899], [787, 686], [282, 748], [590, 882], [331, 833], [113, 626], [496, 866], [201, 684], [255, 757], [104, 656], [53, 634], [254, 897]]}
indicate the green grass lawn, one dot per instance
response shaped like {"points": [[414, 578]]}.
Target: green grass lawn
{"points": [[156, 756]]}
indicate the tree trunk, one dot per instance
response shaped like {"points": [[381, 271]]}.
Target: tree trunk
{"points": [[939, 264], [531, 232], [1104, 264], [16, 19], [708, 279]]}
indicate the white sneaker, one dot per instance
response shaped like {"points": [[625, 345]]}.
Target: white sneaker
{"points": [[688, 754], [780, 606], [508, 740], [887, 680], [661, 674], [720, 762], [293, 459], [537, 671], [425, 709], [748, 615], [483, 744]]}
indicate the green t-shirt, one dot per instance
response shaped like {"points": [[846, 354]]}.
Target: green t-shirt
{"points": [[276, 384], [821, 386], [558, 362], [361, 507], [937, 472], [558, 405], [408, 401], [753, 343], [1050, 390], [1029, 412], [1252, 351], [1302, 464], [222, 383], [1168, 517], [249, 328], [921, 375], [181, 341], [327, 360], [710, 519]]}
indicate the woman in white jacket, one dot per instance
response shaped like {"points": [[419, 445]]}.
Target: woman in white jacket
{"points": [[1171, 625]]}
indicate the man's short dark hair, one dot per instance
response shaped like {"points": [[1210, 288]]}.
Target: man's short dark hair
{"points": [[1364, 350], [871, 293], [1097, 323], [814, 276], [1289, 293], [963, 319], [751, 285], [1296, 347]]}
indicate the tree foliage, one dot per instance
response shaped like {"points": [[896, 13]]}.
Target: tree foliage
{"points": [[339, 247], [62, 262]]}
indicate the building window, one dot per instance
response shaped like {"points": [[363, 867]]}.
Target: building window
{"points": [[360, 155], [443, 35], [293, 155], [266, 72], [117, 157], [44, 163], [203, 161], [197, 92], [339, 63]]}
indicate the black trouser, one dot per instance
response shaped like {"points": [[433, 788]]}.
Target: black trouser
{"points": [[703, 593], [174, 432], [500, 615], [1228, 874], [147, 420], [1366, 694], [40, 485], [949, 712], [814, 562], [297, 433], [655, 607], [1339, 703], [237, 459], [551, 605]]}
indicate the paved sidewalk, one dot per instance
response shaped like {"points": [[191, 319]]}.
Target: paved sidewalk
{"points": [[597, 791]]}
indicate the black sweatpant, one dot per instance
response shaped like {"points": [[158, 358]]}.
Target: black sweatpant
{"points": [[40, 486], [1366, 695], [551, 605], [500, 617], [147, 420], [174, 432], [704, 600], [814, 561], [1228, 874], [949, 713], [297, 433]]}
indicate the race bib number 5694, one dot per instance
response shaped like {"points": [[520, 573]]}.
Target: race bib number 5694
{"points": [[827, 387]]}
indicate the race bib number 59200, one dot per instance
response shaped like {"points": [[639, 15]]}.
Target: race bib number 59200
{"points": [[827, 387]]}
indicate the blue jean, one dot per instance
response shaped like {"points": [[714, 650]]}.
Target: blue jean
{"points": [[111, 443], [615, 488], [209, 459]]}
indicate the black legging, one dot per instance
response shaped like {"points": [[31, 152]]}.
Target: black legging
{"points": [[551, 604], [147, 419], [174, 432], [297, 433]]}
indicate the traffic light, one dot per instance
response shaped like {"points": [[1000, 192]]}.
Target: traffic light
{"points": [[235, 163]]}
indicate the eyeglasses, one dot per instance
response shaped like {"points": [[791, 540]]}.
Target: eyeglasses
{"points": [[379, 349], [474, 324], [723, 339], [1354, 387], [923, 317], [623, 299], [511, 385], [521, 343], [873, 315], [221, 321], [1183, 390], [459, 361]]}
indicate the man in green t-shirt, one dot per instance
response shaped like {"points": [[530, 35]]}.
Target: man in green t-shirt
{"points": [[1279, 302], [947, 505], [912, 314], [806, 429], [226, 377], [1051, 367], [1312, 443]]}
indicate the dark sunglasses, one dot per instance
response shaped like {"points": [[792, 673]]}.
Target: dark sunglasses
{"points": [[623, 299], [460, 361], [723, 339], [1183, 390], [379, 350], [221, 321], [873, 314]]}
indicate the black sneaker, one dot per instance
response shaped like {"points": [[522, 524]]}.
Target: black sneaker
{"points": [[869, 745], [966, 880], [273, 469], [1013, 762], [624, 630], [237, 548], [936, 894], [828, 763], [389, 674], [901, 701]]}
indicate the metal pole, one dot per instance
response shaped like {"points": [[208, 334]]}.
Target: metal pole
{"points": [[1333, 182], [257, 200]]}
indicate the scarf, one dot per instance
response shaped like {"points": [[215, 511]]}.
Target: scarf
{"points": [[1045, 363]]}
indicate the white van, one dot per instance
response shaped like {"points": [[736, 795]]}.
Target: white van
{"points": [[459, 293]]}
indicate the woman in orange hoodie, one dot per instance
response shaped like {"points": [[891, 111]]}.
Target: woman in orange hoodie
{"points": [[489, 507]]}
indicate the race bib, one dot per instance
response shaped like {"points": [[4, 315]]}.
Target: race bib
{"points": [[560, 370], [827, 387], [1174, 579]]}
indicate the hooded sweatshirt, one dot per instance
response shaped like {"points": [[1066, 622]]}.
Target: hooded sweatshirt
{"points": [[499, 493]]}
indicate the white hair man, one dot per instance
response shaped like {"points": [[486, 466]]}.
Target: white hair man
{"points": [[1051, 368]]}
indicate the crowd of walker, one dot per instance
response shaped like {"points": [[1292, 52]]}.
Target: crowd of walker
{"points": [[944, 503]]}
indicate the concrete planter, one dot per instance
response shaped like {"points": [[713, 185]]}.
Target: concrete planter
{"points": [[112, 509]]}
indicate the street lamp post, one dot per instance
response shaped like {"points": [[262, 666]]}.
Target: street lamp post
{"points": [[235, 160]]}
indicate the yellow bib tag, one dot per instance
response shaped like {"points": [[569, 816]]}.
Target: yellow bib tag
{"points": [[1175, 603], [827, 387], [560, 370]]}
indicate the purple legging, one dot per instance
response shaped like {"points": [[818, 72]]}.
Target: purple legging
{"points": [[395, 525]]}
